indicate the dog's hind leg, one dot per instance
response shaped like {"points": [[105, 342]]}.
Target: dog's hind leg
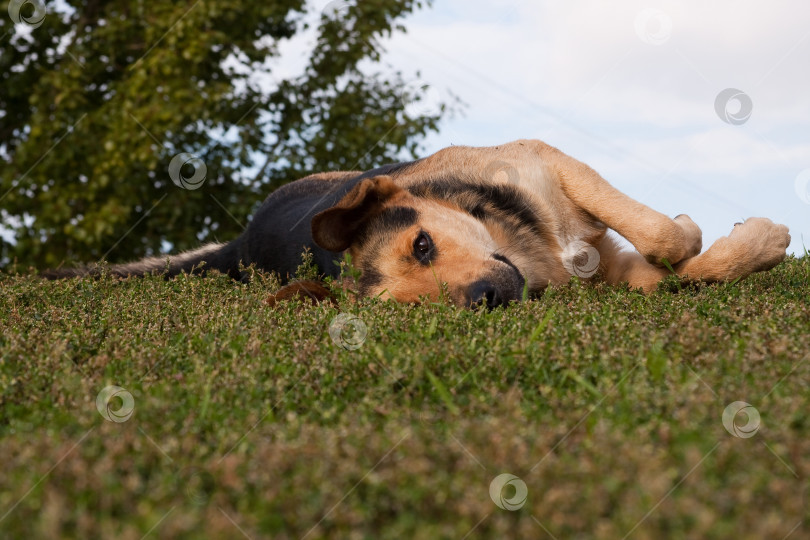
{"points": [[655, 236], [756, 245]]}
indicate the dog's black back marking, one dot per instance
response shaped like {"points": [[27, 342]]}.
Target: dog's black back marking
{"points": [[502, 203]]}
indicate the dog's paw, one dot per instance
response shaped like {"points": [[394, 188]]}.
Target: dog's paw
{"points": [[692, 235], [761, 241], [670, 241]]}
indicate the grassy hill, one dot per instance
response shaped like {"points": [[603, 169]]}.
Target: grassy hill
{"points": [[232, 418]]}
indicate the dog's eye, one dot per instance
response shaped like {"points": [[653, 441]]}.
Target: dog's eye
{"points": [[423, 248]]}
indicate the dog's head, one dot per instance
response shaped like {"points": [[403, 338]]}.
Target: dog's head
{"points": [[407, 247]]}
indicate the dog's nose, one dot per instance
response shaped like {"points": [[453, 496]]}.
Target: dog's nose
{"points": [[485, 291]]}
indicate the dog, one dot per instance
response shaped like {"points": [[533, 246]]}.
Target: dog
{"points": [[482, 226]]}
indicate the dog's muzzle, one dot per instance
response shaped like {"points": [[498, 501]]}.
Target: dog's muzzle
{"points": [[500, 286]]}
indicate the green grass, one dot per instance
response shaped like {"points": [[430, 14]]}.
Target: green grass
{"points": [[606, 403]]}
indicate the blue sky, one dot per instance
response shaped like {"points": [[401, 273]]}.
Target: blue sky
{"points": [[631, 88]]}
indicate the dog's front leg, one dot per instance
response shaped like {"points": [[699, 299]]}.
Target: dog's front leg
{"points": [[658, 238]]}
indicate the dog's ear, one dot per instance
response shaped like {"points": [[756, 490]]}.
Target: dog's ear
{"points": [[314, 291], [335, 228]]}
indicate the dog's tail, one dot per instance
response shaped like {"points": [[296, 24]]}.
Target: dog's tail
{"points": [[222, 257]]}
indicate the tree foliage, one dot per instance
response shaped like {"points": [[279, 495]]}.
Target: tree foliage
{"points": [[99, 97]]}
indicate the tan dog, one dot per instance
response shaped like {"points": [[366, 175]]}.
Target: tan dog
{"points": [[486, 223]]}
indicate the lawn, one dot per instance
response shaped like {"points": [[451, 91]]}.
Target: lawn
{"points": [[230, 418]]}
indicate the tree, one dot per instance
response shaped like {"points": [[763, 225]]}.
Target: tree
{"points": [[109, 109]]}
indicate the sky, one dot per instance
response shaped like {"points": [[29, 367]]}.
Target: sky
{"points": [[700, 108]]}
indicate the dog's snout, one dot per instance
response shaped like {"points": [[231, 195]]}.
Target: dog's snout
{"points": [[501, 285], [483, 291]]}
